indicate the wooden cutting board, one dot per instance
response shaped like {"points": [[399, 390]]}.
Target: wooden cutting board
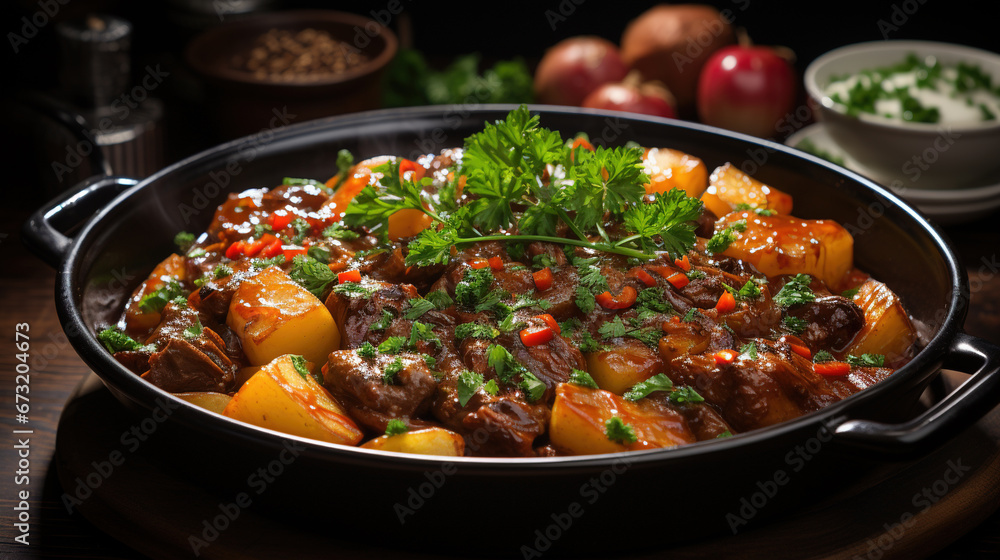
{"points": [[914, 511]]}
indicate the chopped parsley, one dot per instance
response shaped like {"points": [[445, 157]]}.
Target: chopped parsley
{"points": [[395, 427], [796, 291], [749, 350], [822, 356], [301, 367], [367, 350], [467, 384], [491, 387], [311, 274], [423, 332], [338, 231], [184, 240], [382, 322], [473, 287], [533, 387], [476, 330], [390, 371], [440, 299], [749, 291], [588, 344], [723, 239], [354, 289], [221, 271], [683, 395], [658, 382], [743, 207], [849, 294], [193, 331], [261, 264], [582, 378], [418, 306], [866, 360], [117, 341], [690, 316], [392, 345], [155, 302], [619, 432], [794, 325], [301, 228]]}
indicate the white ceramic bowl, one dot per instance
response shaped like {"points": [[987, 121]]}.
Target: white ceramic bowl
{"points": [[927, 156]]}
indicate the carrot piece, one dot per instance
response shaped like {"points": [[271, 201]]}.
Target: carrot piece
{"points": [[683, 263], [543, 279], [623, 300], [801, 350], [678, 280], [533, 336], [353, 275], [832, 368], [496, 263], [726, 302], [479, 263], [550, 321]]}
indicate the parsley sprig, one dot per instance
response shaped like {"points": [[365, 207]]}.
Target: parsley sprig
{"points": [[504, 165]]}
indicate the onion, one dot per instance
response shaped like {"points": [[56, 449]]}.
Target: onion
{"points": [[670, 43], [575, 67], [648, 98]]}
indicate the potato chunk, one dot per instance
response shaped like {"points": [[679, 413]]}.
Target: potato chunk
{"points": [[786, 245], [281, 398], [579, 415], [887, 329], [728, 187], [272, 316], [622, 366], [429, 441], [673, 169], [215, 402], [138, 319]]}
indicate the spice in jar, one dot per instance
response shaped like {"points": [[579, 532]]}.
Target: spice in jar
{"points": [[285, 55]]}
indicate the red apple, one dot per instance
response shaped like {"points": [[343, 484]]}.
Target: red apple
{"points": [[746, 89], [575, 67], [645, 98]]}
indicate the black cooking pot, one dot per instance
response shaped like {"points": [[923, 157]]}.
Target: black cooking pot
{"points": [[466, 506]]}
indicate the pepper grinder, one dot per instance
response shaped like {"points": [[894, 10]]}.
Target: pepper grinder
{"points": [[124, 118]]}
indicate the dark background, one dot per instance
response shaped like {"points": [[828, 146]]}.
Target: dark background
{"points": [[443, 30]]}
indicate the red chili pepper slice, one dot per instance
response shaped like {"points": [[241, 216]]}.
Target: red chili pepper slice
{"points": [[235, 250], [832, 368], [683, 263], [533, 336], [273, 249], [496, 263], [550, 321], [723, 357], [279, 222], [291, 252], [479, 263], [349, 276], [678, 280], [726, 302], [643, 276], [623, 300], [543, 279]]}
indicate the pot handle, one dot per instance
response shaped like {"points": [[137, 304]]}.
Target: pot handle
{"points": [[942, 421], [43, 233]]}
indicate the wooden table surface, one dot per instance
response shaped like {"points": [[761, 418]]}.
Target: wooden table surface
{"points": [[26, 296]]}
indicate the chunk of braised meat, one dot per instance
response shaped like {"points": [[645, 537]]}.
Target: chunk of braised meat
{"points": [[705, 422], [215, 295], [551, 362], [390, 266], [831, 322], [361, 386], [198, 364], [502, 425], [356, 313], [754, 393], [705, 225]]}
